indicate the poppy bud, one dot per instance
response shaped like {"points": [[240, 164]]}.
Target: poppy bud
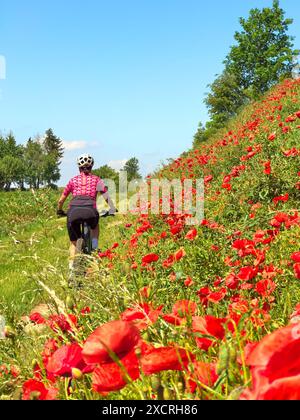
{"points": [[9, 332], [235, 394], [232, 354], [146, 336], [231, 377], [155, 383], [181, 387], [34, 364], [126, 268], [167, 394], [77, 374], [35, 396], [224, 359], [70, 303], [138, 353]]}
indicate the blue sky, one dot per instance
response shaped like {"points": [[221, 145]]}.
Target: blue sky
{"points": [[116, 78]]}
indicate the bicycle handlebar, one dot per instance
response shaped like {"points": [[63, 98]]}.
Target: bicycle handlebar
{"points": [[61, 213], [103, 214], [107, 213]]}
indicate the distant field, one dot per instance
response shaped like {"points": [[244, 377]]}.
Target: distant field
{"points": [[33, 244], [19, 209]]}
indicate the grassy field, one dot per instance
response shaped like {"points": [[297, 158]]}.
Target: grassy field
{"points": [[34, 245], [186, 312]]}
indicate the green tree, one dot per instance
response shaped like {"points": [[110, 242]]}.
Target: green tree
{"points": [[224, 99], [132, 167], [35, 163], [106, 172], [54, 151], [264, 53], [53, 145], [11, 162]]}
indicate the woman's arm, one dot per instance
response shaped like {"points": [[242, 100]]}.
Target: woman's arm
{"points": [[109, 201], [103, 190], [65, 195], [62, 201]]}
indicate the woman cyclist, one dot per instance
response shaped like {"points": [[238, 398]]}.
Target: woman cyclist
{"points": [[84, 188]]}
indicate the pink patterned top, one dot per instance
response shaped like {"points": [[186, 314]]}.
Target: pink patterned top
{"points": [[85, 184]]}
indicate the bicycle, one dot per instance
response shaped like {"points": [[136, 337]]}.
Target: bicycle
{"points": [[84, 248], [86, 237]]}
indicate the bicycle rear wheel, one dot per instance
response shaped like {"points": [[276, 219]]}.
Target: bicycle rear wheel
{"points": [[84, 247], [87, 240]]}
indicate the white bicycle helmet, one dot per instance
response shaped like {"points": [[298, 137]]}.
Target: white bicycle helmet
{"points": [[85, 161]]}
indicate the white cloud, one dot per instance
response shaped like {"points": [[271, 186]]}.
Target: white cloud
{"points": [[74, 145], [117, 165]]}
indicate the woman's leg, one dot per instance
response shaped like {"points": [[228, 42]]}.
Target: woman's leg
{"points": [[95, 232], [95, 237], [73, 250]]}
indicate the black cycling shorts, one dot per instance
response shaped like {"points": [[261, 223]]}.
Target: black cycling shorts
{"points": [[79, 215]]}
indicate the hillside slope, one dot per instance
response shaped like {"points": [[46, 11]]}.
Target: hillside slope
{"points": [[204, 312]]}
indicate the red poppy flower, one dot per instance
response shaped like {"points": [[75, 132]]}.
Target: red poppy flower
{"points": [[265, 287], [203, 293], [37, 318], [34, 389], [202, 374], [64, 360], [165, 358], [296, 313], [60, 323], [188, 282], [117, 337], [169, 262], [272, 137], [50, 348], [145, 292], [283, 198], [85, 311], [180, 254], [141, 315], [268, 169], [247, 273], [227, 187], [15, 371], [208, 179], [244, 246], [291, 153], [191, 235], [208, 326], [175, 230], [216, 297], [275, 366], [232, 282], [296, 257], [113, 377], [148, 259], [173, 319], [297, 270], [184, 308]]}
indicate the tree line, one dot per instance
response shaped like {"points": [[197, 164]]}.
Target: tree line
{"points": [[34, 164], [263, 55], [37, 163], [132, 167]]}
